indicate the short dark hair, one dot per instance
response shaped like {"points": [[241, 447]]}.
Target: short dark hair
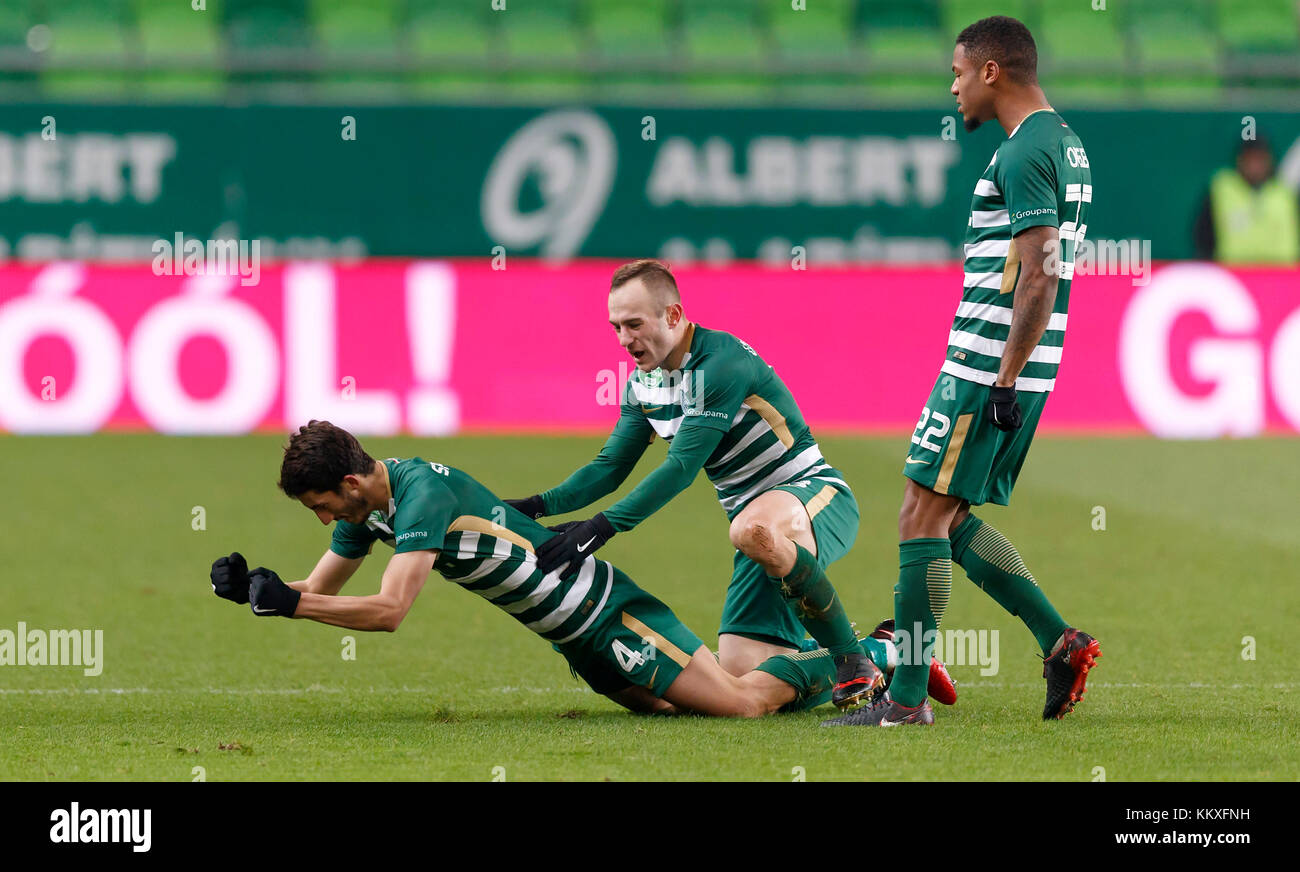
{"points": [[1005, 40], [1259, 143], [654, 274], [317, 458]]}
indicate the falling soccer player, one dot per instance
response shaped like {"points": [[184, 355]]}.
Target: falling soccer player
{"points": [[622, 641], [1029, 210]]}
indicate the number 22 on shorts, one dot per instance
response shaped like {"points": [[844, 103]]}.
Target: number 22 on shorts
{"points": [[937, 430]]}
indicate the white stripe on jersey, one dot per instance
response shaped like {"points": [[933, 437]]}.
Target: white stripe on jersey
{"points": [[994, 347], [986, 188], [989, 217], [572, 599], [666, 429], [500, 553], [995, 314], [1033, 385], [550, 581], [772, 452], [800, 462], [982, 280], [760, 427], [609, 585], [664, 395], [468, 546], [521, 574], [989, 248]]}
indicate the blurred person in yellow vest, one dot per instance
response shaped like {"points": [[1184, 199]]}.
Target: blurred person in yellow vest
{"points": [[1249, 214]]}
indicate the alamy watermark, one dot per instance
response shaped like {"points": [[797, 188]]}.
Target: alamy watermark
{"points": [[35, 647], [191, 256], [76, 825], [951, 647], [683, 389], [1105, 257]]}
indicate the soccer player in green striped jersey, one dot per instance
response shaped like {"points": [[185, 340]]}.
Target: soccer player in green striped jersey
{"points": [[1029, 210], [622, 641], [722, 409]]}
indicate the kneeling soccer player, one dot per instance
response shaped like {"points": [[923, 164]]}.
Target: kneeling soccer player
{"points": [[622, 641]]}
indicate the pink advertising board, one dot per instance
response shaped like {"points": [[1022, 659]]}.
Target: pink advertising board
{"points": [[431, 348]]}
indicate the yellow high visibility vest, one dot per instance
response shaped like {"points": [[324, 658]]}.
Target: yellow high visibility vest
{"points": [[1254, 226]]}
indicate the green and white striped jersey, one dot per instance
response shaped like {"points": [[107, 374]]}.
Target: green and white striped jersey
{"points": [[483, 545], [1038, 176], [723, 384]]}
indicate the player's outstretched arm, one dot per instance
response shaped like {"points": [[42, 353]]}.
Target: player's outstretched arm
{"points": [[331, 573], [403, 580], [689, 451], [603, 475]]}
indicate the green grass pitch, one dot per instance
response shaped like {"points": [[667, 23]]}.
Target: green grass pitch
{"points": [[1199, 551]]}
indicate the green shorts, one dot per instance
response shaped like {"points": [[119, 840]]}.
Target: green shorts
{"points": [[637, 640], [754, 607], [955, 450]]}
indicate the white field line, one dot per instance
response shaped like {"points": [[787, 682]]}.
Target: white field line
{"points": [[297, 691]]}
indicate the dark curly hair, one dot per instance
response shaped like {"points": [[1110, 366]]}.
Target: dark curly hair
{"points": [[317, 458], [1005, 40]]}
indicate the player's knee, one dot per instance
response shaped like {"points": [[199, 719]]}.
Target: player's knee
{"points": [[754, 536]]}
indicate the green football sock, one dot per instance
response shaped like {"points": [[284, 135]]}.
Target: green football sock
{"points": [[992, 562], [818, 608], [920, 598], [810, 673], [876, 649]]}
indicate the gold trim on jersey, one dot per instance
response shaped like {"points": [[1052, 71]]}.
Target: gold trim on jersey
{"points": [[954, 451], [475, 524], [1011, 271], [677, 655], [819, 502], [774, 419]]}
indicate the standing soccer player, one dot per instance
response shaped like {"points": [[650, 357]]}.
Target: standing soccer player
{"points": [[724, 410], [1029, 210]]}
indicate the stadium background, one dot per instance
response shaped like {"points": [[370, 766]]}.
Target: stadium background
{"points": [[440, 190]]}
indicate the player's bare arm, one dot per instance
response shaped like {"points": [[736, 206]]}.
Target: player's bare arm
{"points": [[1035, 295], [331, 573], [403, 580]]}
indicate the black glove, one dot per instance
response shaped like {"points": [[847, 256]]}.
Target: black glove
{"points": [[532, 506], [269, 596], [1004, 410], [230, 578], [572, 546]]}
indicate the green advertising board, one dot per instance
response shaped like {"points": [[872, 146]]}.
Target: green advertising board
{"points": [[103, 182]]}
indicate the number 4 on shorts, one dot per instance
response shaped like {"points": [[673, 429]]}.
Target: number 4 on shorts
{"points": [[627, 658]]}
